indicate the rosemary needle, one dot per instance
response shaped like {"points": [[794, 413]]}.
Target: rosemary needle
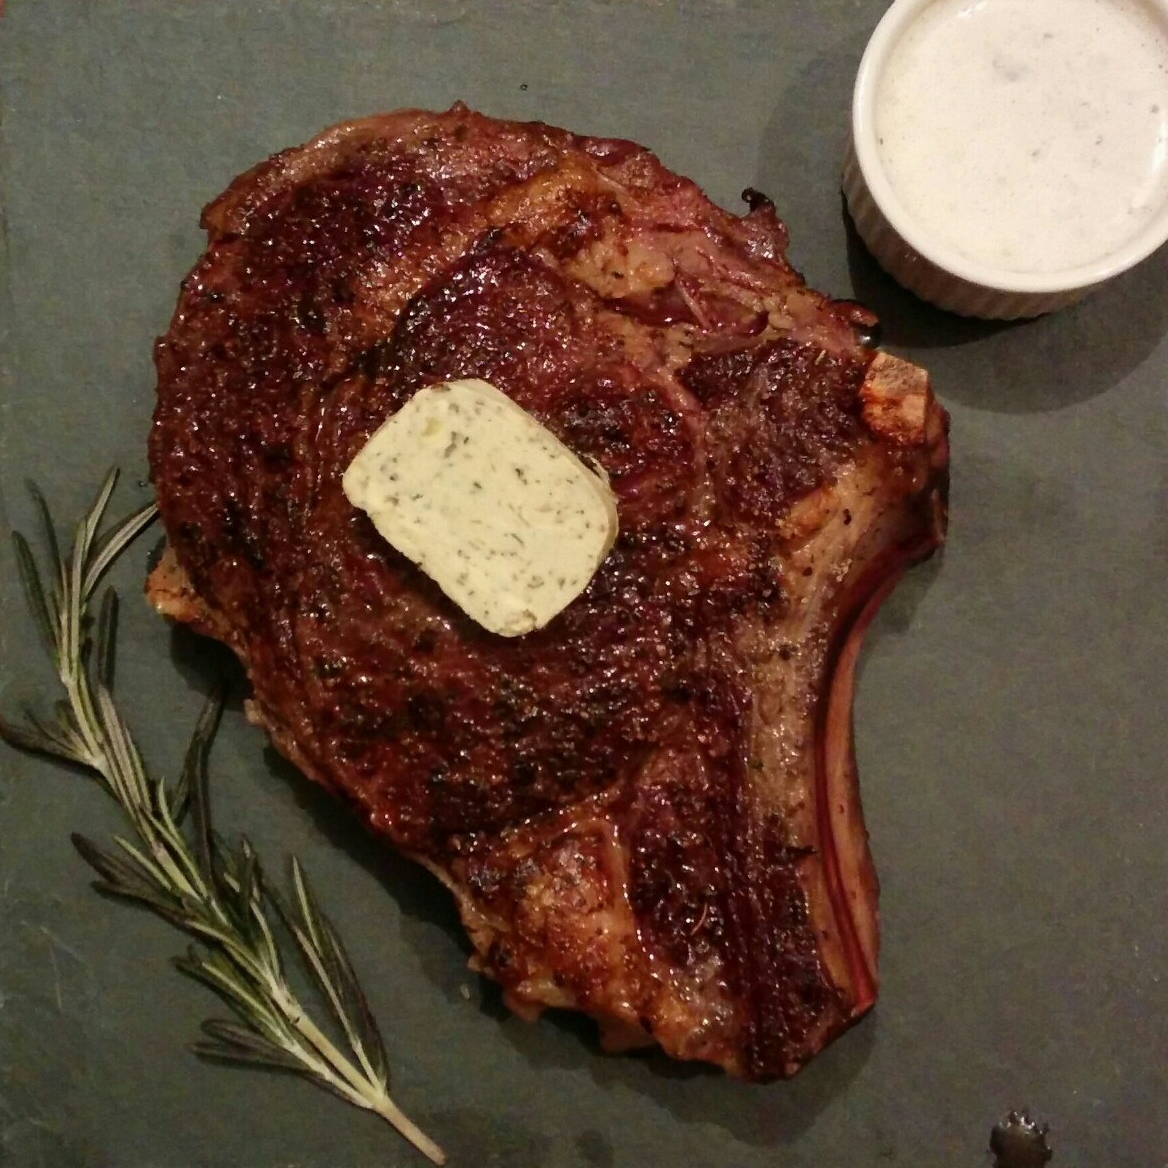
{"points": [[176, 865]]}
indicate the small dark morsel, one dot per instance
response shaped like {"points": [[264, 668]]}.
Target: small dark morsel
{"points": [[1020, 1142], [870, 335], [863, 320], [755, 199]]}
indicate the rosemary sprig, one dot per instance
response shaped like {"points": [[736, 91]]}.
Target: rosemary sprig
{"points": [[176, 865]]}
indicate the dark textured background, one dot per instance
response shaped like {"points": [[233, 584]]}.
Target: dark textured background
{"points": [[1010, 717]]}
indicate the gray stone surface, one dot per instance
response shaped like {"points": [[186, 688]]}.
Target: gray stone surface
{"points": [[1010, 715]]}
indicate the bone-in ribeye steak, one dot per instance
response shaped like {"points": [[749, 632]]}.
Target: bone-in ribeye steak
{"points": [[648, 809]]}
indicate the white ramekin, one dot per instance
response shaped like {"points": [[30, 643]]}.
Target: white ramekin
{"points": [[919, 261]]}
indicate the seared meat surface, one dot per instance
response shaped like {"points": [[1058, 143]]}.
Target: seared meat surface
{"points": [[646, 810]]}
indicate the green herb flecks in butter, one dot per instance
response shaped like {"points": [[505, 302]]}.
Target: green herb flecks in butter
{"points": [[498, 512]]}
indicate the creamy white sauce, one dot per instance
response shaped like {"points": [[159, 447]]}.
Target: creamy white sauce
{"points": [[1029, 135]]}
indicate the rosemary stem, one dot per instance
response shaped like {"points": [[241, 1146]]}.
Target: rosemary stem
{"points": [[389, 1111], [378, 1102], [299, 1020], [211, 893]]}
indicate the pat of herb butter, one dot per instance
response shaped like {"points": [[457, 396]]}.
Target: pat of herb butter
{"points": [[490, 504]]}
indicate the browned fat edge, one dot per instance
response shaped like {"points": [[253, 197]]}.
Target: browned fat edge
{"points": [[898, 403], [836, 776]]}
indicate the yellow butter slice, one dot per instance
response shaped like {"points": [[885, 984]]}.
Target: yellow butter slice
{"points": [[488, 502]]}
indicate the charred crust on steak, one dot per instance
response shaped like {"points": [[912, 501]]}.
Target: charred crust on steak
{"points": [[647, 810]]}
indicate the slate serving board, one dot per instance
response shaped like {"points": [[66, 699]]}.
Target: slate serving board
{"points": [[1011, 708]]}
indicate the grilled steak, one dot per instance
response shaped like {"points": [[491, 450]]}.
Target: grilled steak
{"points": [[648, 809]]}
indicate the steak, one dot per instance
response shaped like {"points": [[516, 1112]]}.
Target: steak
{"points": [[648, 809]]}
